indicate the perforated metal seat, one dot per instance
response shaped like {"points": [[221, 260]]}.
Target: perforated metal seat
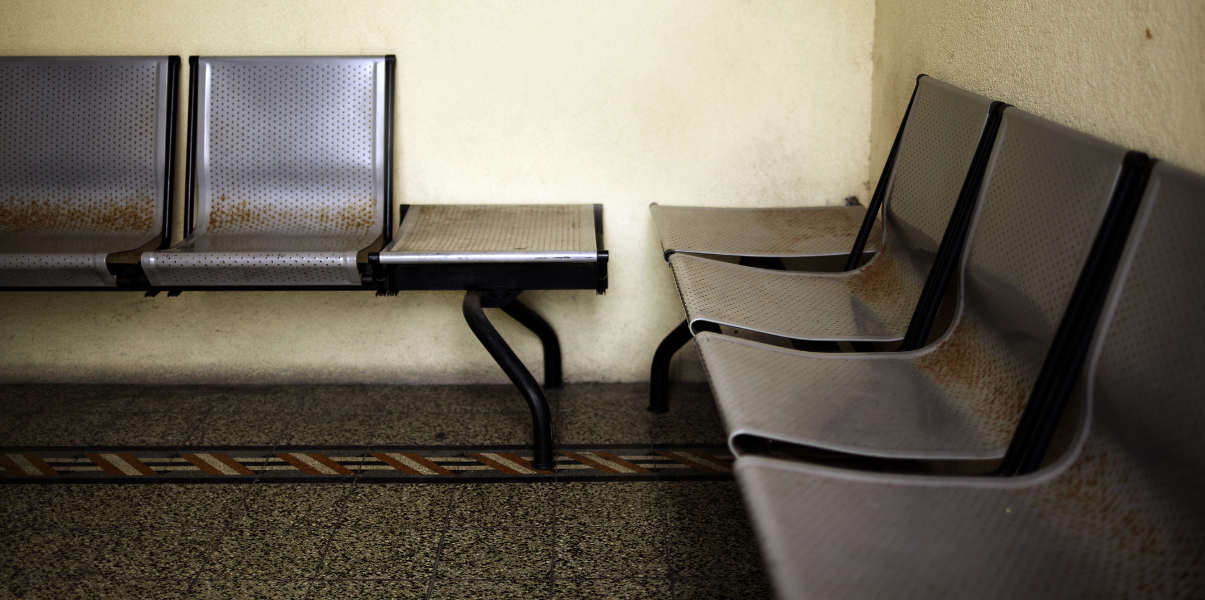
{"points": [[290, 170], [764, 232], [875, 302], [1041, 203], [1116, 514], [84, 165]]}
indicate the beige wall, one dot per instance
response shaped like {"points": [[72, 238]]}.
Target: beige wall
{"points": [[618, 102], [1085, 63]]}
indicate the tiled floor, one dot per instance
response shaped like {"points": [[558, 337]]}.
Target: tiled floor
{"points": [[632, 539]]}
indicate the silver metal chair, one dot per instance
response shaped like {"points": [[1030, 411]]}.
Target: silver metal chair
{"points": [[85, 167], [1115, 513], [290, 173], [1041, 203], [874, 303]]}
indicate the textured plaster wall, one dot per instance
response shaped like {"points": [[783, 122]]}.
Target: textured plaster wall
{"points": [[619, 102], [1129, 71]]}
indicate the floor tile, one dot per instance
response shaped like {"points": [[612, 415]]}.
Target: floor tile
{"points": [[521, 589], [34, 555], [381, 553], [504, 505], [95, 588], [223, 589], [147, 553], [268, 551], [303, 505], [125, 428], [115, 506], [610, 552], [753, 587], [369, 590], [702, 551], [392, 505], [655, 588], [612, 504], [618, 414], [496, 553], [703, 502]]}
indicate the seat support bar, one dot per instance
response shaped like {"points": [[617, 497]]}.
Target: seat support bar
{"points": [[659, 374], [541, 421]]}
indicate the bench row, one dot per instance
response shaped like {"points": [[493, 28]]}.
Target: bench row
{"points": [[1000, 437]]}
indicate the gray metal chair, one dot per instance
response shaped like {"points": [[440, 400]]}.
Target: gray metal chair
{"points": [[1115, 513], [1041, 203], [290, 165], [876, 301], [85, 167], [791, 232]]}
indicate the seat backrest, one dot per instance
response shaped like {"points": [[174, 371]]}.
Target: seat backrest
{"points": [[1043, 199], [1133, 483], [934, 156], [290, 146], [83, 145]]}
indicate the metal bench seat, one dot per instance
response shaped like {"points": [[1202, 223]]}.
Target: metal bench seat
{"points": [[497, 247], [290, 172], [791, 232], [875, 302], [85, 166], [1114, 512], [1042, 202]]}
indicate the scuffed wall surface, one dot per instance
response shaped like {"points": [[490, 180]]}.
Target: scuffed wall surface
{"points": [[623, 103], [1129, 71]]}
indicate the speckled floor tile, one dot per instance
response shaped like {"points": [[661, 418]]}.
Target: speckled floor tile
{"points": [[753, 587], [618, 414], [610, 552], [701, 551], [496, 553], [284, 504], [612, 504], [268, 552], [369, 590], [224, 589], [712, 502], [504, 505], [34, 555], [381, 553], [654, 588], [123, 428], [96, 588], [109, 506], [466, 589], [146, 553], [384, 505]]}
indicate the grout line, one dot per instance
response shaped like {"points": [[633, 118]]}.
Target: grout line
{"points": [[333, 530], [439, 548], [223, 531]]}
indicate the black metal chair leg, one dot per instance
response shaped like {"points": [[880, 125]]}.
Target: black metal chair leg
{"points": [[552, 346], [541, 421], [659, 375]]}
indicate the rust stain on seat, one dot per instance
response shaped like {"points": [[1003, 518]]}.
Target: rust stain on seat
{"points": [[104, 215], [879, 281], [229, 215], [992, 391]]}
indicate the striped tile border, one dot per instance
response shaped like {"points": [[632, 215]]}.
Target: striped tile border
{"points": [[441, 465]]}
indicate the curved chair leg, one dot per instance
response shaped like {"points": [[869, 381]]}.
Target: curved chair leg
{"points": [[552, 346], [659, 375], [541, 421]]}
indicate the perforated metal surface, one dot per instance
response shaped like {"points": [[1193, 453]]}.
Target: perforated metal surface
{"points": [[783, 232], [1042, 200], [288, 148], [494, 233], [873, 303], [1117, 515], [81, 165]]}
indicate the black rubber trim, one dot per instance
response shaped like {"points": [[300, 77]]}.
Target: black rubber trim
{"points": [[953, 241], [1069, 351], [190, 152], [390, 67], [880, 189], [169, 167]]}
